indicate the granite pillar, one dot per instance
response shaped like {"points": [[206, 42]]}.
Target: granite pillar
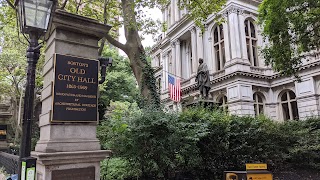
{"points": [[66, 148]]}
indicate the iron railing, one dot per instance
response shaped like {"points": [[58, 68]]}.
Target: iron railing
{"points": [[10, 162]]}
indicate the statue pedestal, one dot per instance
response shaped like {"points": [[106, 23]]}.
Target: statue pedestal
{"points": [[210, 104]]}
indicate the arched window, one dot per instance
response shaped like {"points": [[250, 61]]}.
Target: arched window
{"points": [[223, 103], [258, 104], [218, 45], [289, 105], [251, 41]]}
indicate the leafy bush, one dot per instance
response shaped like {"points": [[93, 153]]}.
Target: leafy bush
{"points": [[201, 144]]}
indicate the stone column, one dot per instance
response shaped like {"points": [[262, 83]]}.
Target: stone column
{"points": [[165, 69], [174, 63], [172, 12], [178, 58], [207, 50], [234, 32], [243, 37], [211, 55], [194, 50], [199, 44], [227, 41], [187, 62], [307, 99], [166, 20], [184, 60], [176, 11], [68, 149]]}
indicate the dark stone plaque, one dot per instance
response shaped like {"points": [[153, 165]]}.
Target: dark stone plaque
{"points": [[75, 89], [78, 174]]}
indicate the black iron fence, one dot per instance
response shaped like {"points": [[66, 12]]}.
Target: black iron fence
{"points": [[10, 162]]}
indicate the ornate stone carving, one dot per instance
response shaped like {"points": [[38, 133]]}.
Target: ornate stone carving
{"points": [[232, 9], [172, 44], [192, 30]]}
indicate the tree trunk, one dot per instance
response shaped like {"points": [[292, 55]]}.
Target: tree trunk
{"points": [[142, 70]]}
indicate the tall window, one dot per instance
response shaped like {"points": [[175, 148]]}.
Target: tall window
{"points": [[289, 106], [258, 104], [219, 47], [251, 40], [223, 103]]}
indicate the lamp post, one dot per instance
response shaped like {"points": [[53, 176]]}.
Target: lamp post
{"points": [[34, 17]]}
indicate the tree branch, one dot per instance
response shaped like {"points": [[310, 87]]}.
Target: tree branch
{"points": [[10, 4], [64, 4], [116, 43]]}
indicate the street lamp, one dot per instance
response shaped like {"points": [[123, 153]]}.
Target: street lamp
{"points": [[33, 17]]}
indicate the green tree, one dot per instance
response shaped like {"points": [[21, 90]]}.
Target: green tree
{"points": [[120, 84], [292, 28], [13, 65], [134, 21]]}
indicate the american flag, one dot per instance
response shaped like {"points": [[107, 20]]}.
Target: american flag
{"points": [[174, 88]]}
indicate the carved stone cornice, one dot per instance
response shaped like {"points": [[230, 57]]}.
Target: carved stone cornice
{"points": [[232, 9], [192, 30], [172, 44], [177, 42]]}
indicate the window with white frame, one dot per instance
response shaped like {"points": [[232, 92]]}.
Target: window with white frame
{"points": [[289, 105], [251, 41], [218, 45], [258, 104]]}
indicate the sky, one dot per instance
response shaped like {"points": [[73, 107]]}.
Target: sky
{"points": [[148, 41]]}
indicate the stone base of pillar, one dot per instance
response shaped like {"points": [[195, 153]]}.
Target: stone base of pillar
{"points": [[237, 65], [308, 107], [241, 108], [80, 165]]}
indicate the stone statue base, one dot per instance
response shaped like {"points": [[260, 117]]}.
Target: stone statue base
{"points": [[206, 103]]}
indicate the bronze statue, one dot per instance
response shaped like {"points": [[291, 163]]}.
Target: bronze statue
{"points": [[203, 79]]}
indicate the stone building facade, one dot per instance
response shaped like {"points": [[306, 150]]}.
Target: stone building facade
{"points": [[240, 80]]}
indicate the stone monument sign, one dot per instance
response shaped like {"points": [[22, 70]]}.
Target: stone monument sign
{"points": [[75, 89], [68, 147]]}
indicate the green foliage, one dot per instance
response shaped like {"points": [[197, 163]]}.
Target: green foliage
{"points": [[292, 35], [118, 169], [201, 144], [120, 84], [199, 10], [148, 80], [306, 151]]}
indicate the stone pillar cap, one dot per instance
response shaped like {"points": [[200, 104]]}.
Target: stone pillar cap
{"points": [[76, 23]]}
